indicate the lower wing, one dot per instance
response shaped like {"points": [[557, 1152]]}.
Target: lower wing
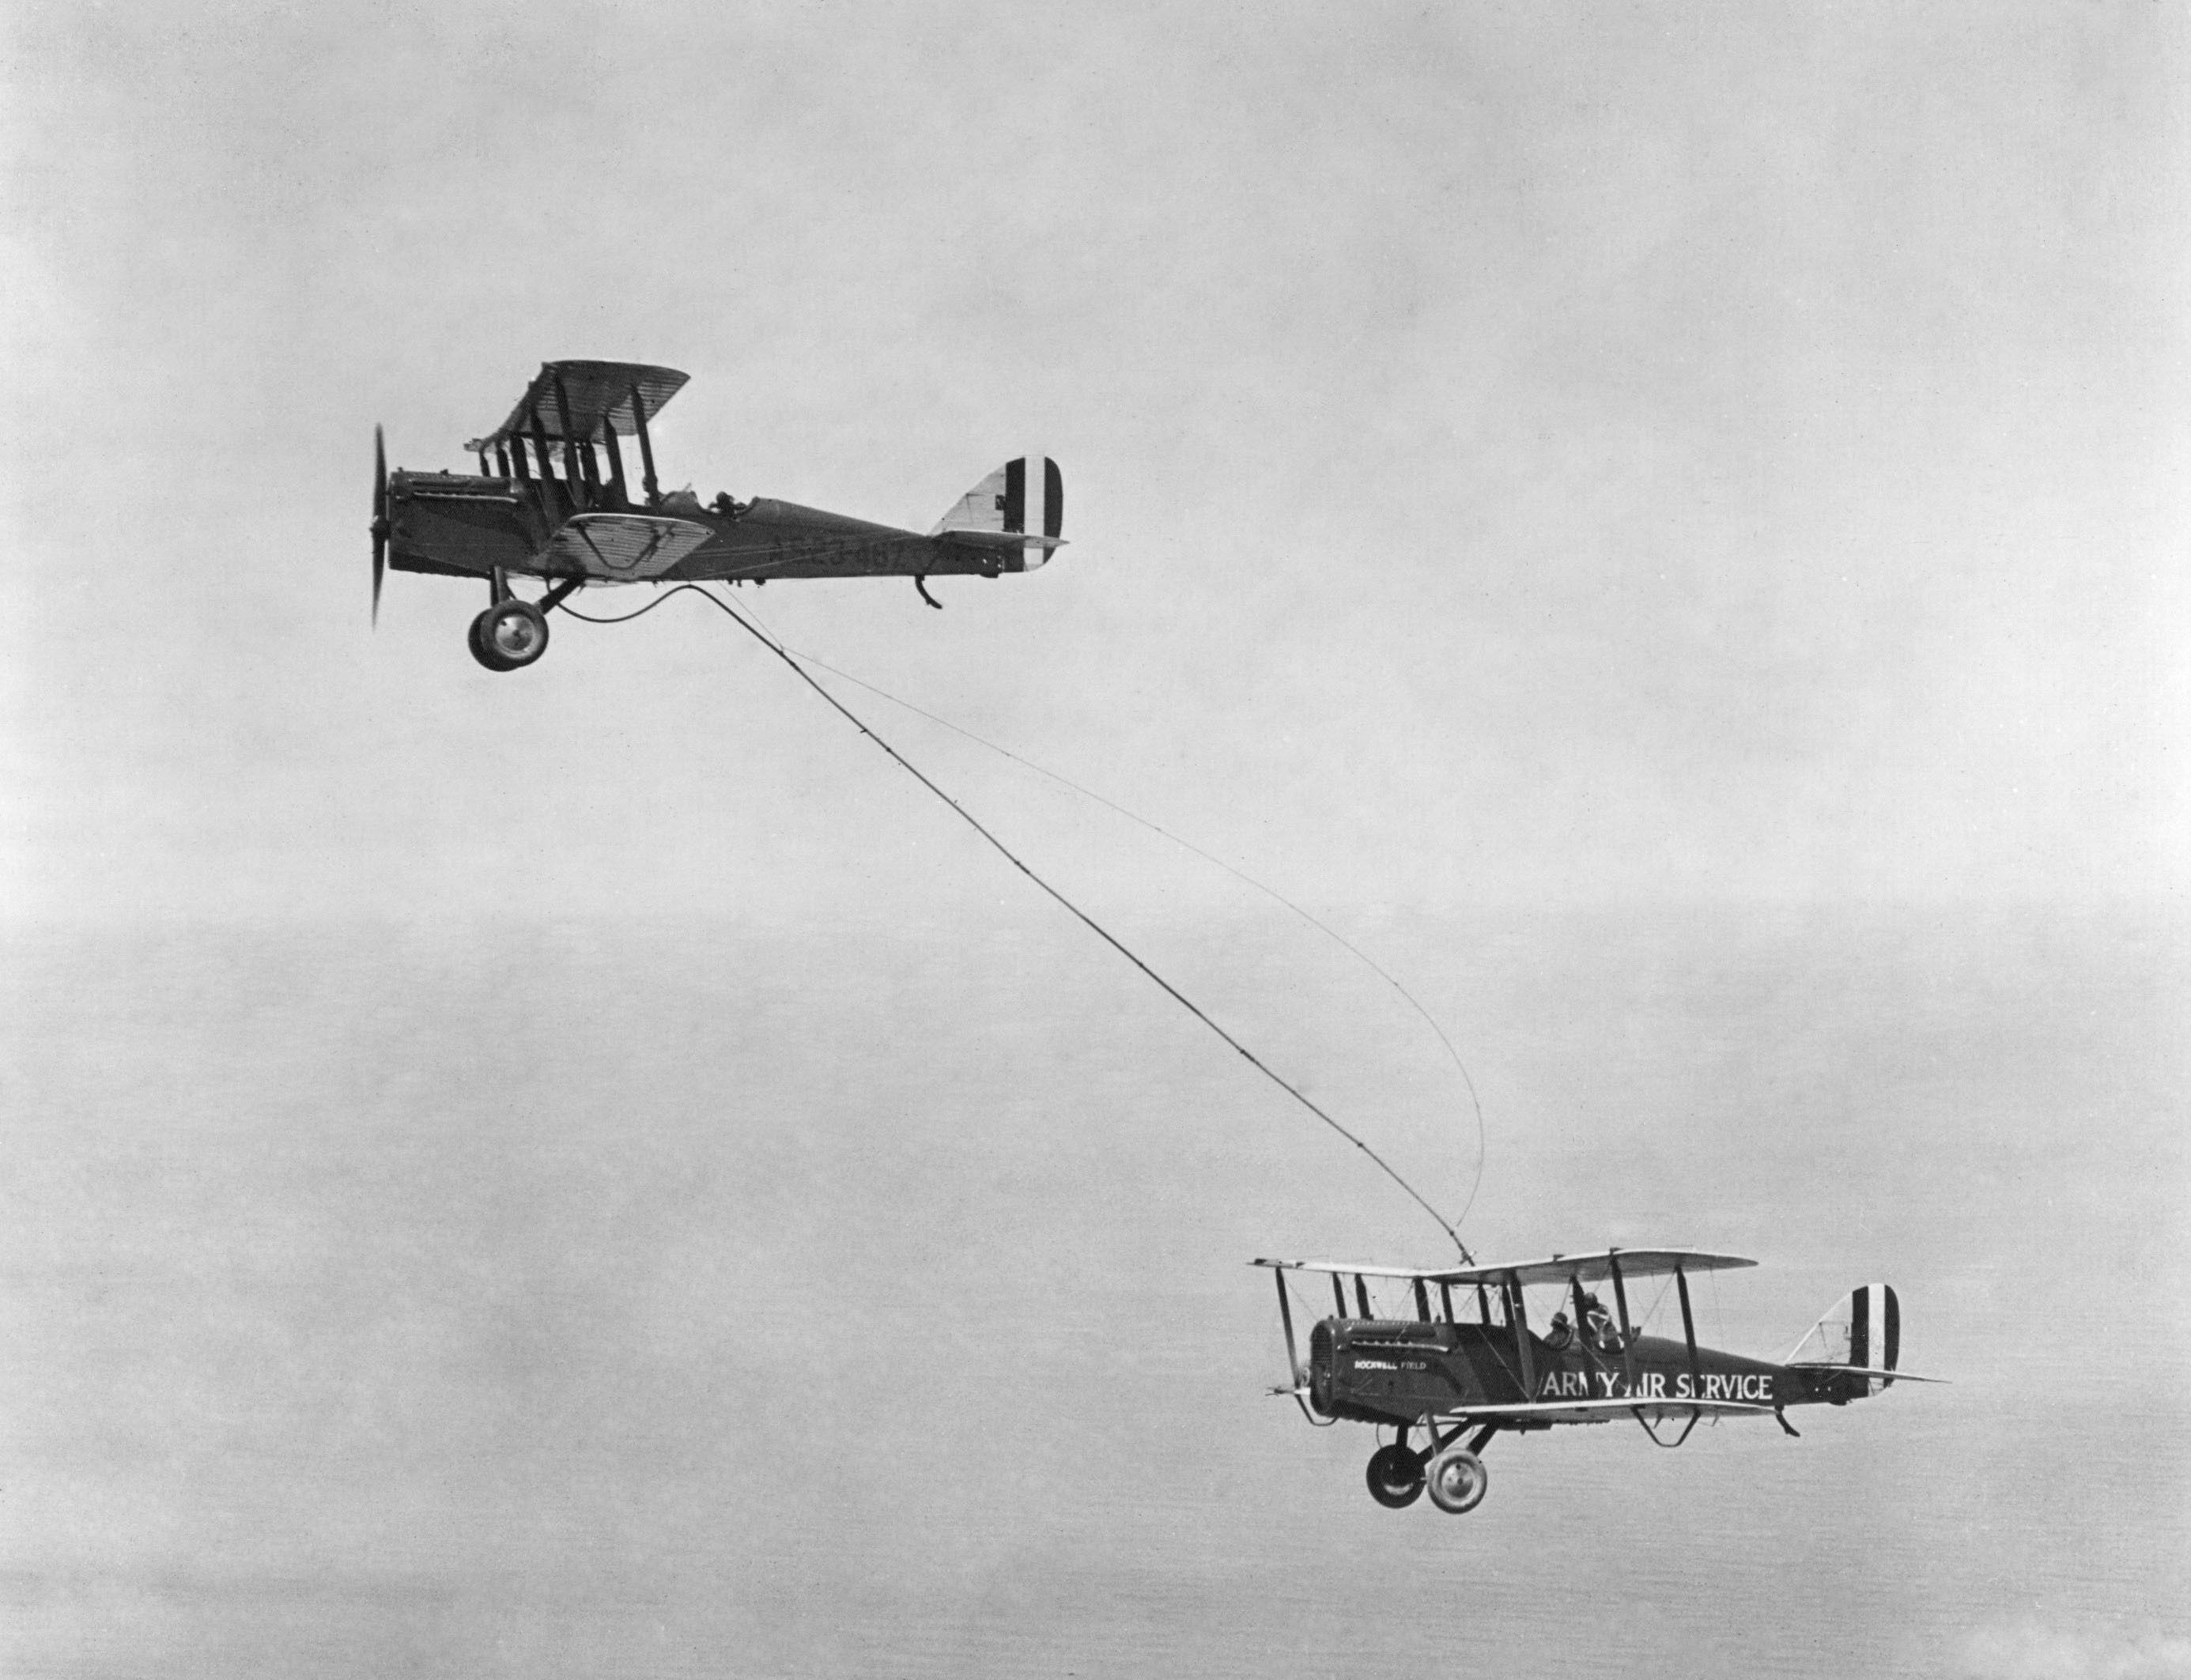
{"points": [[620, 547], [1599, 1411]]}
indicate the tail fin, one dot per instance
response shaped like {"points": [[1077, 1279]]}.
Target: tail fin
{"points": [[1862, 1332], [1015, 501]]}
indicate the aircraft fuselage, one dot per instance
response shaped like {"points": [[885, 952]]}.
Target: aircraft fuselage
{"points": [[1398, 1371]]}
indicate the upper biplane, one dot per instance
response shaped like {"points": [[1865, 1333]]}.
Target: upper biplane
{"points": [[551, 501], [1459, 1360]]}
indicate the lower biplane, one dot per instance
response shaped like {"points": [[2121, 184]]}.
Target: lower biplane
{"points": [[1459, 1361], [550, 501]]}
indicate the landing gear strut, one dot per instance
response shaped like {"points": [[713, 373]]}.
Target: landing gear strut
{"points": [[1451, 1468]]}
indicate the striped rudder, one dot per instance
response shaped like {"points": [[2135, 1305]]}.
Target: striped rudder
{"points": [[1874, 1327], [1862, 1331], [1014, 500]]}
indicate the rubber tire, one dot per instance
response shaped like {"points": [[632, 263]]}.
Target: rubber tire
{"points": [[1457, 1480], [510, 635], [1394, 1477], [479, 647]]}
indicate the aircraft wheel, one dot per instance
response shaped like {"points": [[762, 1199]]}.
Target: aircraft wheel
{"points": [[478, 648], [509, 635], [1458, 1480], [1394, 1477]]}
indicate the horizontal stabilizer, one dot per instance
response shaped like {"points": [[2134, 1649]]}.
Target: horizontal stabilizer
{"points": [[999, 540], [620, 547], [1861, 1370]]}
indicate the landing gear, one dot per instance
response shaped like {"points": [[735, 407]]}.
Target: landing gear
{"points": [[509, 634], [1458, 1480], [1452, 1470], [1394, 1477]]}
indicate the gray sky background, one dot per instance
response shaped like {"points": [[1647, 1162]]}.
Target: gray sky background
{"points": [[1677, 454], [1663, 522]]}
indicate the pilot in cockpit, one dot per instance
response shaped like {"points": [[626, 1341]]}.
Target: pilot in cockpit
{"points": [[682, 502], [1597, 1325]]}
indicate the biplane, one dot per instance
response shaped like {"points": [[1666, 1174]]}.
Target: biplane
{"points": [[551, 501], [1453, 1353]]}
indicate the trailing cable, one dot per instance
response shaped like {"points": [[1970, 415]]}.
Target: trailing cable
{"points": [[1082, 916], [1331, 933]]}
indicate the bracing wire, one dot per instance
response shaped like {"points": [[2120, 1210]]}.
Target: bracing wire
{"points": [[1082, 916]]}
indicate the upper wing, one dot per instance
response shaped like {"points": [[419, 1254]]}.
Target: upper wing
{"points": [[1589, 1268], [591, 394]]}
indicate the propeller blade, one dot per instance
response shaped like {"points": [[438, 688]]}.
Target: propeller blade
{"points": [[379, 518]]}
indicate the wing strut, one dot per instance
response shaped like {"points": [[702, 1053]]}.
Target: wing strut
{"points": [[646, 448], [571, 472], [551, 500], [616, 464], [1689, 1329], [1627, 1338], [1518, 1313], [561, 593]]}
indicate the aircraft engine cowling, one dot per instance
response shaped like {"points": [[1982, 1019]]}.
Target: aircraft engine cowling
{"points": [[1319, 1370]]}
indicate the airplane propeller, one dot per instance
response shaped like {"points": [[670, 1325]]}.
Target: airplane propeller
{"points": [[379, 518]]}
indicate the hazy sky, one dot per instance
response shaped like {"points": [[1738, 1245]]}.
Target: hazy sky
{"points": [[1681, 453], [1666, 522]]}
